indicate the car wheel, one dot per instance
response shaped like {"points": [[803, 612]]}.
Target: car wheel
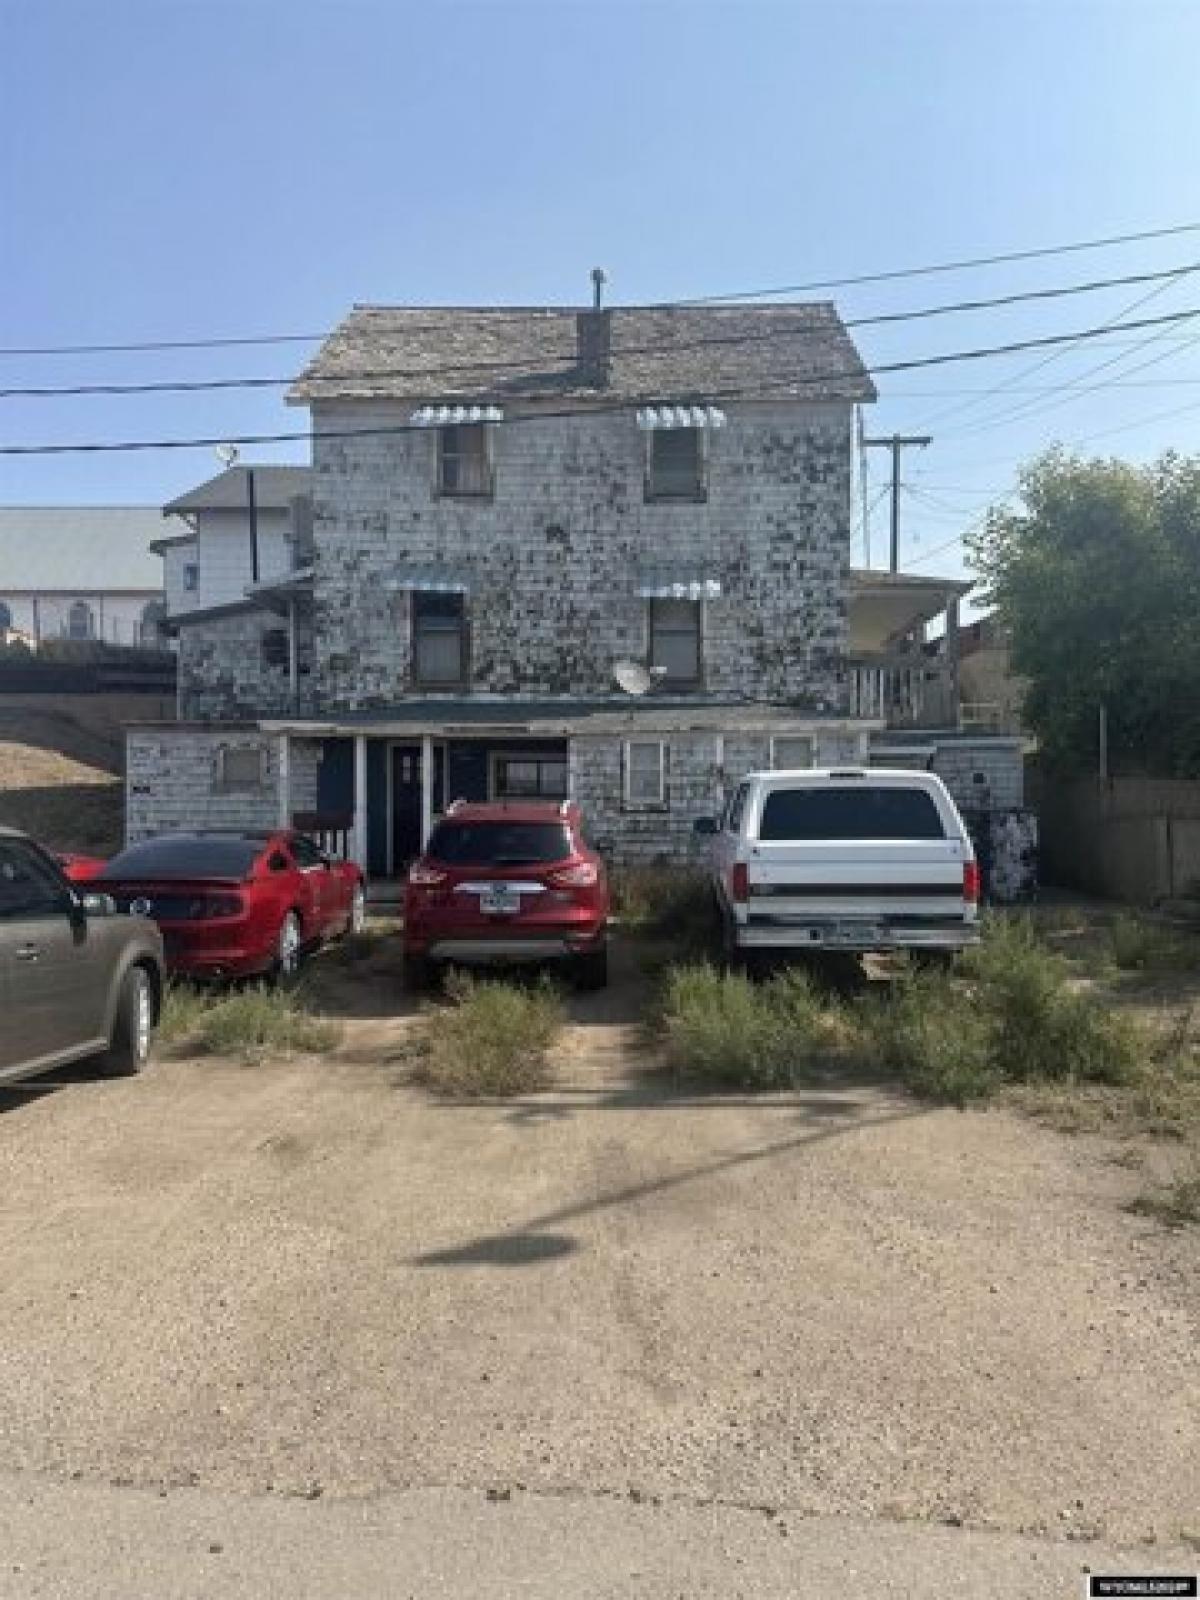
{"points": [[357, 919], [591, 970], [287, 947], [419, 973], [133, 1026]]}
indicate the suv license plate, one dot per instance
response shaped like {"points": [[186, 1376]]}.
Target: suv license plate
{"points": [[500, 901]]}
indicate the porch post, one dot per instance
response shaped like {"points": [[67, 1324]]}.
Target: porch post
{"points": [[360, 799], [954, 709], [285, 781], [426, 788]]}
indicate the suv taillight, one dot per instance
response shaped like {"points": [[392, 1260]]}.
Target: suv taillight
{"points": [[741, 882], [971, 882], [583, 875], [421, 876]]}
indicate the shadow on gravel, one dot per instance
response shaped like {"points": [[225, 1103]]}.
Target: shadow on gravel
{"points": [[514, 1248], [503, 1250]]}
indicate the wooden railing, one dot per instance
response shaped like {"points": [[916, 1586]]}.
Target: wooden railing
{"points": [[906, 691], [331, 831]]}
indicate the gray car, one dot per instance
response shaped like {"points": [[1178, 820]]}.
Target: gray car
{"points": [[76, 978]]}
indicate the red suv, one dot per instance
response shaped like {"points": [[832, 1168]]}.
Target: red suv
{"points": [[508, 882]]}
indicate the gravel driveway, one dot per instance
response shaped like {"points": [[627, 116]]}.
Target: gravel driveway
{"points": [[306, 1277]]}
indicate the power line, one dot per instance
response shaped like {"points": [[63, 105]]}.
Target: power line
{"points": [[771, 335], [785, 388], [1047, 361], [953, 266], [890, 276]]}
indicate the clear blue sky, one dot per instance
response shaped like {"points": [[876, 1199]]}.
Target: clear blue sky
{"points": [[175, 169]]}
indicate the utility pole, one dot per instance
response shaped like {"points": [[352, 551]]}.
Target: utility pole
{"points": [[895, 442], [252, 508]]}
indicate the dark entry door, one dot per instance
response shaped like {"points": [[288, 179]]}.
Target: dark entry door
{"points": [[406, 800]]}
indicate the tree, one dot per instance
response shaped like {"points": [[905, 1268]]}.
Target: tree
{"points": [[1098, 579]]}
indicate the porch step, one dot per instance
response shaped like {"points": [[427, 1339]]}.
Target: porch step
{"points": [[385, 894]]}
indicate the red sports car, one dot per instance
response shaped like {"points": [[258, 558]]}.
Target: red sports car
{"points": [[81, 869], [234, 905]]}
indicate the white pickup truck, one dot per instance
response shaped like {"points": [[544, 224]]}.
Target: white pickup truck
{"points": [[849, 859]]}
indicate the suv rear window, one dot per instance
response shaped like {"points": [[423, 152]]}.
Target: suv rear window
{"points": [[186, 858], [499, 844], [858, 812]]}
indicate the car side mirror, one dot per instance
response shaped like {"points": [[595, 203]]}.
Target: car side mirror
{"points": [[98, 905], [705, 826]]}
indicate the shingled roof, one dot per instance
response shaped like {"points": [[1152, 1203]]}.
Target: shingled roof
{"points": [[275, 486], [686, 353]]}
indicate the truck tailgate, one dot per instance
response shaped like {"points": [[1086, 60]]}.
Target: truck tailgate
{"points": [[913, 879]]}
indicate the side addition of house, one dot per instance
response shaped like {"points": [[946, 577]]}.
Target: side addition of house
{"points": [[547, 552]]}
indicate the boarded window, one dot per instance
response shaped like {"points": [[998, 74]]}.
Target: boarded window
{"points": [[675, 639], [464, 459], [675, 470], [791, 752], [241, 767], [439, 639], [645, 772]]}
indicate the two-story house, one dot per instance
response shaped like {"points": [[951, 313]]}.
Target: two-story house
{"points": [[596, 553]]}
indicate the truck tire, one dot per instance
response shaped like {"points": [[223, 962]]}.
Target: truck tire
{"points": [[133, 1027], [733, 957]]}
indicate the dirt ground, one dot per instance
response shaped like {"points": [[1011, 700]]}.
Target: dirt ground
{"points": [[64, 803], [305, 1277]]}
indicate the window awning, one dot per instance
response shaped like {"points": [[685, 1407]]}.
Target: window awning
{"points": [[448, 416], [651, 417], [427, 580], [675, 583]]}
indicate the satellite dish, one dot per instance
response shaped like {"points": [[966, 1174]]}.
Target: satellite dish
{"points": [[632, 678], [227, 454]]}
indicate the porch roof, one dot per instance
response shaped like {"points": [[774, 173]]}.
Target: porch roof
{"points": [[549, 718]]}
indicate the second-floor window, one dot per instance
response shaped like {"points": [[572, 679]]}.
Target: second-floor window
{"points": [[675, 464], [464, 459], [191, 576], [439, 639], [675, 640]]}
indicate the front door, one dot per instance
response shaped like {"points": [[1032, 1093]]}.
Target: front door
{"points": [[406, 800]]}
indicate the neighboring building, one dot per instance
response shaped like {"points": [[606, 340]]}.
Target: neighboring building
{"points": [[518, 517], [209, 559], [991, 693], [80, 573]]}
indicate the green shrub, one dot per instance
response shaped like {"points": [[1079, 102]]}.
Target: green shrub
{"points": [[927, 1033], [1138, 946], [492, 1039], [723, 1029], [665, 902], [248, 1022], [1177, 1203], [1041, 1027]]}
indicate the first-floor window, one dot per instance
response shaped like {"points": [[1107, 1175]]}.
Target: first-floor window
{"points": [[645, 772], [529, 777], [80, 622], [439, 638], [791, 752], [241, 767]]}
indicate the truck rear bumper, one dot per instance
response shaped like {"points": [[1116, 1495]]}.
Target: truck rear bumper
{"points": [[847, 935]]}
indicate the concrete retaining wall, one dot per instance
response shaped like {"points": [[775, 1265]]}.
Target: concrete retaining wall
{"points": [[1134, 839]]}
